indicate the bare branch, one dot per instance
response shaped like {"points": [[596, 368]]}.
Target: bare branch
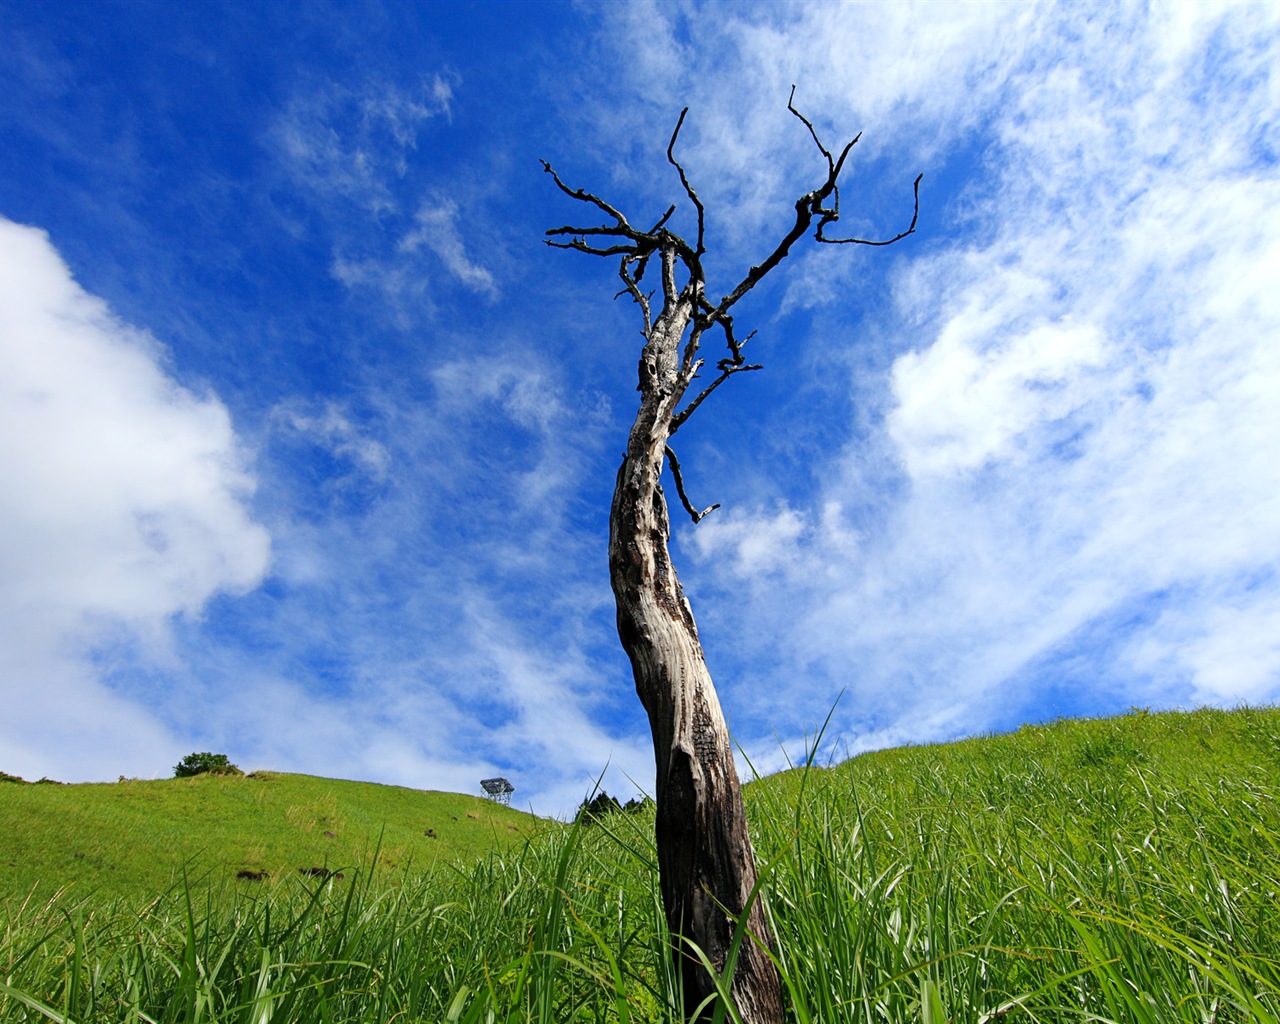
{"points": [[915, 216], [580, 246], [844, 153], [583, 196], [831, 167], [693, 196], [663, 219], [669, 291], [808, 206], [804, 217], [614, 232], [684, 498], [735, 346], [690, 364], [640, 298], [727, 370]]}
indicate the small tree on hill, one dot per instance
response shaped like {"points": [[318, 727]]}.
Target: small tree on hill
{"points": [[705, 861], [597, 807], [199, 764]]}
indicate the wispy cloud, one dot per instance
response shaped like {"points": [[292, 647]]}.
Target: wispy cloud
{"points": [[352, 153], [336, 141], [331, 428], [1018, 465], [438, 610], [437, 230], [1073, 470]]}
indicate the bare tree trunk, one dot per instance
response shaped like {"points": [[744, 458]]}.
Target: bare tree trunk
{"points": [[705, 859]]}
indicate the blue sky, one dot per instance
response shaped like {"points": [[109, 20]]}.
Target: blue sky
{"points": [[307, 440]]}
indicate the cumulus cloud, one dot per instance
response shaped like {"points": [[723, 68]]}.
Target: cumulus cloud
{"points": [[124, 503]]}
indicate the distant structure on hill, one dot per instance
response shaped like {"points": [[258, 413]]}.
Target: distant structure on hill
{"points": [[498, 790]]}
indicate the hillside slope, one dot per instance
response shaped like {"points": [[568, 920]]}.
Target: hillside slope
{"points": [[1119, 869], [137, 837], [1183, 747]]}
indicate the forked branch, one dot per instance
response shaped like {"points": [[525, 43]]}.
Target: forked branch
{"points": [[833, 166], [809, 206], [727, 370]]}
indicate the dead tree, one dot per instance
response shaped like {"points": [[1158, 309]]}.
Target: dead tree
{"points": [[707, 868]]}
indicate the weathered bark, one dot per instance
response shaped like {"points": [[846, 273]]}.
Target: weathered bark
{"points": [[705, 859]]}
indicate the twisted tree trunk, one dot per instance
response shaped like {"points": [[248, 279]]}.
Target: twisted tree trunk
{"points": [[705, 860], [704, 852]]}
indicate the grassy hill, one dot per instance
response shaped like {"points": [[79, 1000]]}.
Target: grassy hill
{"points": [[136, 837], [1032, 769], [1124, 869]]}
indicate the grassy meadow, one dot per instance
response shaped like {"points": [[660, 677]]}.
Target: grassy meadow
{"points": [[137, 838], [1121, 870]]}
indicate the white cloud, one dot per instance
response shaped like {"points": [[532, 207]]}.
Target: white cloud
{"points": [[1076, 466], [915, 79], [444, 627], [123, 503], [355, 144], [331, 427], [438, 230], [341, 146], [959, 407]]}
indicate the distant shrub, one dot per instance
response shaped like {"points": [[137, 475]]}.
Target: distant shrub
{"points": [[597, 807], [46, 781], [199, 764], [602, 803]]}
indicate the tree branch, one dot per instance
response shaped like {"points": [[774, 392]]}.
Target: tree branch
{"points": [[640, 298], [808, 206], [663, 219], [693, 196], [821, 205], [684, 498], [915, 216], [727, 370], [791, 100], [580, 245], [584, 196]]}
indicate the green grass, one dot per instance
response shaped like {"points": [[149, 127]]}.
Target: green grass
{"points": [[1121, 870], [137, 838], [1124, 869]]}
